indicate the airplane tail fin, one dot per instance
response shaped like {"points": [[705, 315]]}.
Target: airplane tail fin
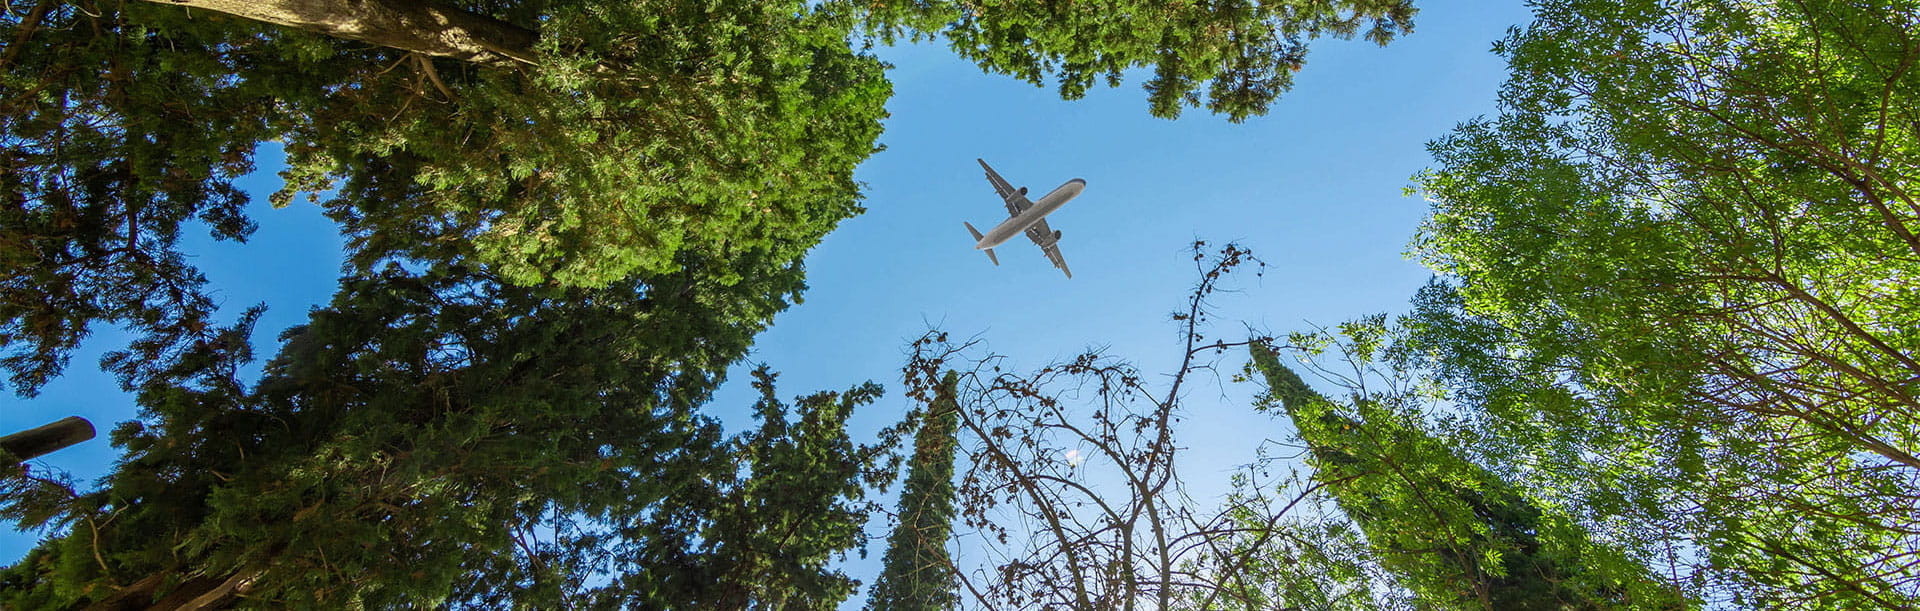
{"points": [[977, 238]]}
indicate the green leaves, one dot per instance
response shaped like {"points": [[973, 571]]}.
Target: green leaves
{"points": [[445, 437], [1451, 531], [627, 136], [659, 128], [724, 132], [1679, 270], [118, 129], [551, 262], [1242, 54]]}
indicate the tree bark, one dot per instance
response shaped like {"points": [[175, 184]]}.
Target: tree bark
{"points": [[34, 443], [193, 593], [430, 27]]}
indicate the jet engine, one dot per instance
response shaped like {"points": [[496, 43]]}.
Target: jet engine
{"points": [[1023, 190], [1056, 235]]}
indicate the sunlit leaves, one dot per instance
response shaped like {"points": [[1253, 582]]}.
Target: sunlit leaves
{"points": [[1682, 261], [651, 129], [1232, 58], [1450, 530]]}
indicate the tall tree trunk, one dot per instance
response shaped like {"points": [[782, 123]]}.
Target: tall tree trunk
{"points": [[193, 593], [431, 27]]}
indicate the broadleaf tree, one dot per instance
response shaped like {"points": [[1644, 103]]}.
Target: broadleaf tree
{"points": [[1679, 282]]}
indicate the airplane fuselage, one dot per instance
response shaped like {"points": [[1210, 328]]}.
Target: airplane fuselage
{"points": [[1042, 207]]}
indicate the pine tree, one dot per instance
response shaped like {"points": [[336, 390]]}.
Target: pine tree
{"points": [[1454, 533], [446, 437], [917, 575]]}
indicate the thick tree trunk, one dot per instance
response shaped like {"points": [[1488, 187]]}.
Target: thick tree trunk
{"points": [[431, 27], [191, 594]]}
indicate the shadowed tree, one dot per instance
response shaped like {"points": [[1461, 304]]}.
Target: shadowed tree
{"points": [[726, 132], [112, 140], [445, 437], [566, 219]]}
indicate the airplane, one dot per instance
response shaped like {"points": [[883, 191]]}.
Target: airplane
{"points": [[1028, 216]]}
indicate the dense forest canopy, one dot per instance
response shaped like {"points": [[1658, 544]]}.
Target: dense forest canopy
{"points": [[1669, 358], [558, 213], [1668, 361], [559, 143]]}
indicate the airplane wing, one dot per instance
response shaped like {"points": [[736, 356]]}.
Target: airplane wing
{"points": [[1017, 202], [1049, 242]]}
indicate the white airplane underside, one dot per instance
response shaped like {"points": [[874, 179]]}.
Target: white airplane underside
{"points": [[1026, 216]]}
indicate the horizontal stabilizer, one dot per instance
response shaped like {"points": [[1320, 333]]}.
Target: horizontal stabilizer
{"points": [[977, 238]]}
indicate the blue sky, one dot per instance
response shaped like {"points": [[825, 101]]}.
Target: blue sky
{"points": [[1314, 188]]}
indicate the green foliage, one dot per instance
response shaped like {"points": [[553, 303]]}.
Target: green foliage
{"points": [[413, 442], [1681, 284], [1242, 54], [1289, 547], [1452, 532], [117, 130], [551, 263], [759, 531], [916, 573], [638, 132], [649, 134], [648, 129]]}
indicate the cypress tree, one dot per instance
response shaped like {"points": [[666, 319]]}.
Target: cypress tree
{"points": [[917, 574], [1456, 535]]}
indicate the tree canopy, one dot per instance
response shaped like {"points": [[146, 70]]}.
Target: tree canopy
{"points": [[1241, 54], [727, 133], [113, 138], [561, 142], [1677, 317], [566, 219], [1679, 283], [414, 442]]}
